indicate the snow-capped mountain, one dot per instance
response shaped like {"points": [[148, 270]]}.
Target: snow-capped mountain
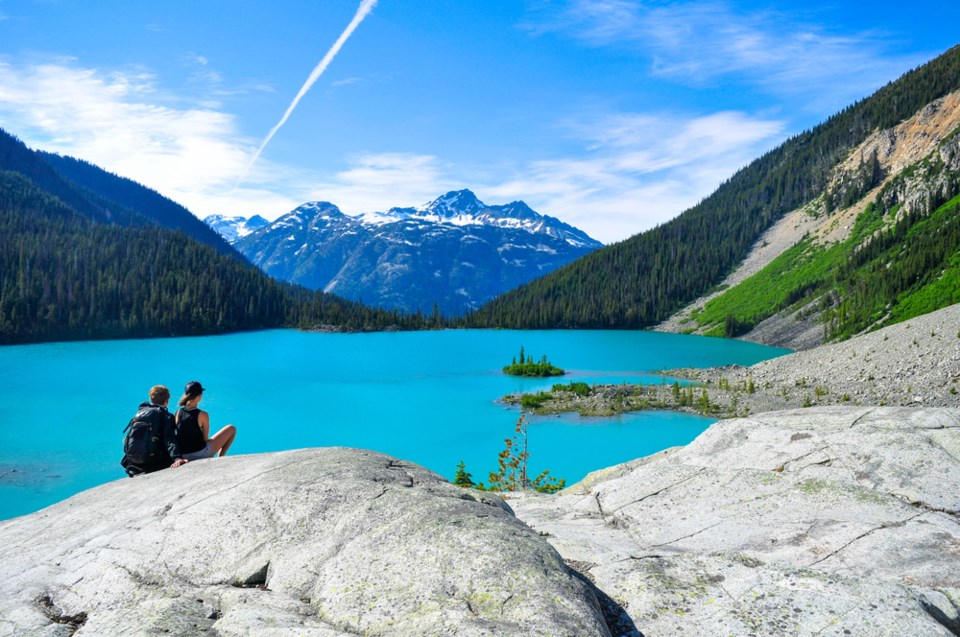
{"points": [[234, 228], [455, 252]]}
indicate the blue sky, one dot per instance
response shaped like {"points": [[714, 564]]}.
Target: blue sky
{"points": [[613, 115]]}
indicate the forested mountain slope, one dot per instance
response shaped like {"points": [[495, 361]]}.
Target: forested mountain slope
{"points": [[74, 265], [134, 196], [881, 245], [16, 157], [643, 280]]}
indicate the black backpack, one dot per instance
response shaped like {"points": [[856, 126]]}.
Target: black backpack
{"points": [[144, 448]]}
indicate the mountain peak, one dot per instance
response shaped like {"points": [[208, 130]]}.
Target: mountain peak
{"points": [[456, 208], [318, 208], [453, 204]]}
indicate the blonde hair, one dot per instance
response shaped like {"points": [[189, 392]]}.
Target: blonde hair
{"points": [[159, 395]]}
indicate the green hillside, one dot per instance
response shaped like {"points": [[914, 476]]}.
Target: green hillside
{"points": [[894, 265], [643, 280]]}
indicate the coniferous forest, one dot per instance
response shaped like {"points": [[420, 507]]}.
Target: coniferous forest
{"points": [[643, 280], [95, 269]]}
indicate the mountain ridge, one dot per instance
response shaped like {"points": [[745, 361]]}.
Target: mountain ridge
{"points": [[232, 228], [472, 212], [452, 253]]}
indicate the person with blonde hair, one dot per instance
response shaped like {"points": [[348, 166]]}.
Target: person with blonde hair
{"points": [[193, 427], [150, 440]]}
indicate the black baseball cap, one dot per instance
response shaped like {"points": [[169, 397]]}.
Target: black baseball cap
{"points": [[193, 388]]}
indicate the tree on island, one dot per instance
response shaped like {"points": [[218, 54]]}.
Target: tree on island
{"points": [[526, 367]]}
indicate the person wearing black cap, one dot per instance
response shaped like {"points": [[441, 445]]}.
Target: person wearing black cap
{"points": [[193, 427]]}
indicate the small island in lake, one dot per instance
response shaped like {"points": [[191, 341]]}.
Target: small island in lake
{"points": [[526, 367]]}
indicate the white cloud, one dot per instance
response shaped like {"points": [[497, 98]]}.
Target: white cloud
{"points": [[634, 170], [700, 42], [116, 120], [345, 82], [193, 155], [378, 181], [640, 169]]}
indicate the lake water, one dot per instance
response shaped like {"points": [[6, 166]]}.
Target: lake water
{"points": [[427, 397]]}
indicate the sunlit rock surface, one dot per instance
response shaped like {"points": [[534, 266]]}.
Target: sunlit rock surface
{"points": [[824, 521], [313, 542]]}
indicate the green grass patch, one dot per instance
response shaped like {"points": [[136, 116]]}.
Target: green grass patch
{"points": [[535, 401], [788, 279], [893, 267], [580, 389]]}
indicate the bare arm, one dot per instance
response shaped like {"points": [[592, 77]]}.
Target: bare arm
{"points": [[173, 449], [203, 419]]}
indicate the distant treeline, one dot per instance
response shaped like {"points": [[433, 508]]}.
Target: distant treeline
{"points": [[643, 280]]}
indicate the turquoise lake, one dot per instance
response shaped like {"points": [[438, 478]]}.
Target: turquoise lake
{"points": [[427, 397]]}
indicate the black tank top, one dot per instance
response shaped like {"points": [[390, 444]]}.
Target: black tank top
{"points": [[189, 435]]}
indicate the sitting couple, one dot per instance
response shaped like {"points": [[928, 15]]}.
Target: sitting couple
{"points": [[183, 437]]}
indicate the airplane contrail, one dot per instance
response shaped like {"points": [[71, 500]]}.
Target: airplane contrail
{"points": [[366, 6]]}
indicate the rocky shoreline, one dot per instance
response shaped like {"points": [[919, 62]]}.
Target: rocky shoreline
{"points": [[914, 363], [699, 394], [809, 522]]}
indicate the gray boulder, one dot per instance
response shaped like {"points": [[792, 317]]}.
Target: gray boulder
{"points": [[323, 542], [826, 521]]}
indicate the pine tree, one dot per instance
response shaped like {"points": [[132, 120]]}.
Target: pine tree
{"points": [[462, 478], [703, 404]]}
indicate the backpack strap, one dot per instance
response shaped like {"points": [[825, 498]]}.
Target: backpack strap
{"points": [[148, 414]]}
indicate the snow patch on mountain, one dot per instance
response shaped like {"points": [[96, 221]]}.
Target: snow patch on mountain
{"points": [[233, 228], [458, 208], [455, 252]]}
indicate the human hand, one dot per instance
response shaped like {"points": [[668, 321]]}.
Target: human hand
{"points": [[177, 463]]}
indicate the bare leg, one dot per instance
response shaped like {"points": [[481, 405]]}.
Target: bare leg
{"points": [[221, 441]]}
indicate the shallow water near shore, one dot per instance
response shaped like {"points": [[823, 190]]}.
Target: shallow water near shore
{"points": [[426, 397]]}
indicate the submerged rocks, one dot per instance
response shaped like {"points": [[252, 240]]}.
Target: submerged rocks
{"points": [[816, 521], [324, 542]]}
